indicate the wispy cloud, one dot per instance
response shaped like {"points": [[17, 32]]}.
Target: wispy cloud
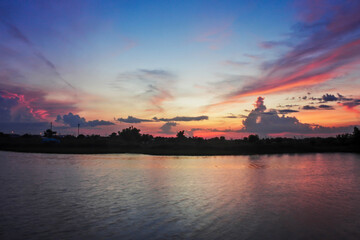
{"points": [[287, 111], [232, 63], [17, 34], [152, 85], [327, 48], [217, 35], [131, 119], [351, 105], [273, 44]]}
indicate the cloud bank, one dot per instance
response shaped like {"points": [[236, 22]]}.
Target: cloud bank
{"points": [[267, 122], [264, 123], [72, 120]]}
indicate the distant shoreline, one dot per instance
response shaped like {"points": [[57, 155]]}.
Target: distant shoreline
{"points": [[250, 150], [130, 140]]}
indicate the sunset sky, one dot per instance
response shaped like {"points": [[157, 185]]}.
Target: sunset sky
{"points": [[211, 68]]}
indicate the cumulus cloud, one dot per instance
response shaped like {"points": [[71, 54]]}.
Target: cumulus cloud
{"points": [[30, 102], [166, 128], [25, 110], [19, 117], [263, 123], [17, 108], [259, 104], [72, 120]]}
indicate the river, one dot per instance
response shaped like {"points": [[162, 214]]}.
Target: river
{"points": [[134, 196]]}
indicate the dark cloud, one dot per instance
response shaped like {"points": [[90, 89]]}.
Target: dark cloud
{"points": [[166, 128], [182, 119], [287, 105], [326, 107], [235, 116], [320, 107], [286, 111], [72, 120], [131, 119], [216, 130], [308, 107], [329, 98]]}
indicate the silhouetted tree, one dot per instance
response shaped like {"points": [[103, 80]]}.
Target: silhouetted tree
{"points": [[356, 135], [49, 133], [181, 135], [26, 135], [253, 138], [146, 138], [130, 134], [81, 136]]}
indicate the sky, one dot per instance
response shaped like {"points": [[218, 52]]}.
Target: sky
{"points": [[211, 68]]}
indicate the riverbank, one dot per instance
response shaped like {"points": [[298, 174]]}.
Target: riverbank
{"points": [[246, 149], [131, 141]]}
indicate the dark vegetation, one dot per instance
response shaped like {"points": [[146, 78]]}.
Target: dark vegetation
{"points": [[130, 140]]}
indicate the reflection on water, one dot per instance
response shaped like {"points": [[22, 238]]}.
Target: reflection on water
{"points": [[115, 196]]}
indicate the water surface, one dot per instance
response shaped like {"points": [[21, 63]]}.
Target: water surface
{"points": [[124, 196]]}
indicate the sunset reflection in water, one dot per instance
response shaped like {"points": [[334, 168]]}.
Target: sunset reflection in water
{"points": [[140, 197]]}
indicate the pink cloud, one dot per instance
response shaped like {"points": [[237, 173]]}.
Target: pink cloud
{"points": [[330, 49]]}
